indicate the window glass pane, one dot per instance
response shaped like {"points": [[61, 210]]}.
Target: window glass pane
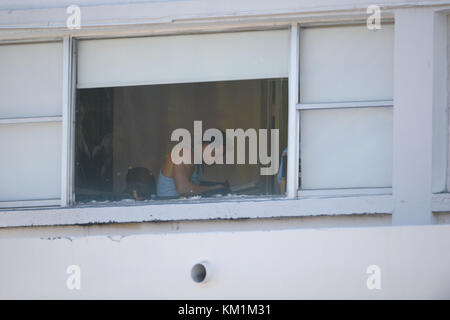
{"points": [[184, 58], [30, 164], [346, 63], [346, 148], [30, 80], [123, 137]]}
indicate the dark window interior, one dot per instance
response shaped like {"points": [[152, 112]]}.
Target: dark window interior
{"points": [[121, 128]]}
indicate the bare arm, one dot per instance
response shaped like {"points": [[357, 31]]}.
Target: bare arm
{"points": [[183, 184]]}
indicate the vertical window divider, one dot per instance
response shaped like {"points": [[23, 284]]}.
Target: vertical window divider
{"points": [[67, 132], [73, 87], [293, 115]]}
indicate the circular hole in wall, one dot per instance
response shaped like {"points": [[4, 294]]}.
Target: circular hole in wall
{"points": [[199, 273]]}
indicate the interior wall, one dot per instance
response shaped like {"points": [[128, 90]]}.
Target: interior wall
{"points": [[139, 114]]}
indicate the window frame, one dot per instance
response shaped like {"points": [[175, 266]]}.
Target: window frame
{"points": [[294, 109], [305, 193], [69, 111], [53, 202], [333, 202], [72, 87], [344, 105]]}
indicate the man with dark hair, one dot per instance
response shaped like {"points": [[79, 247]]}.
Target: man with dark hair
{"points": [[140, 184]]}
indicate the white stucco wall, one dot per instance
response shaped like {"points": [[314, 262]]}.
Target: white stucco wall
{"points": [[289, 264]]}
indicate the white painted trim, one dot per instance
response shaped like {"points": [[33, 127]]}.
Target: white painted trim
{"points": [[180, 210], [447, 107], [196, 11], [214, 26], [293, 121], [344, 192], [72, 122], [440, 107], [127, 19], [341, 105], [29, 203], [440, 202], [66, 122], [413, 116], [31, 120], [29, 40]]}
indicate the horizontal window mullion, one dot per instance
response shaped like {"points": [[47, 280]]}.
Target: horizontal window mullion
{"points": [[344, 192], [342, 105], [31, 120], [29, 203]]}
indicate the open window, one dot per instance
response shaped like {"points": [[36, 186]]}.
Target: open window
{"points": [[132, 93]]}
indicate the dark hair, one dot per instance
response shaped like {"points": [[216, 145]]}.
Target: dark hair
{"points": [[140, 182]]}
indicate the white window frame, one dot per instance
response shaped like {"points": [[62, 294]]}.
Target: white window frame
{"points": [[335, 105], [71, 103], [68, 212], [68, 110], [28, 120], [344, 105], [325, 202]]}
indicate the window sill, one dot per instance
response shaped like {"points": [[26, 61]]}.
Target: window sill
{"points": [[196, 209]]}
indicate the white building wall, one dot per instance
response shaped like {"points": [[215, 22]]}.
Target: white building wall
{"points": [[292, 264]]}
